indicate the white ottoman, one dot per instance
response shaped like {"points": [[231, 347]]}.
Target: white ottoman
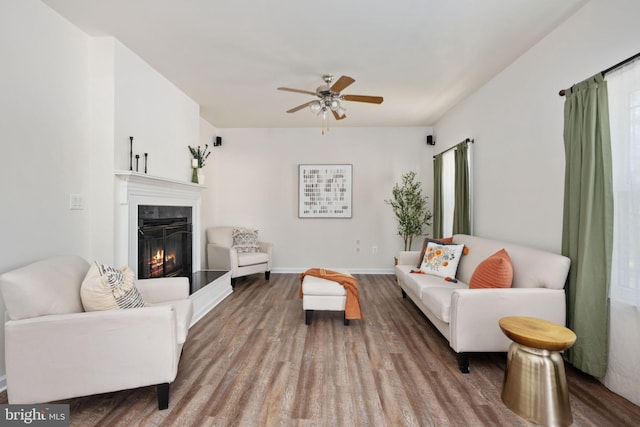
{"points": [[322, 294]]}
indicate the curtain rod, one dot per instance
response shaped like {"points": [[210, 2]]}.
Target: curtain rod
{"points": [[468, 140], [608, 70]]}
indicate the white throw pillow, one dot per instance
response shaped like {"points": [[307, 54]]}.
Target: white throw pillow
{"points": [[441, 260], [109, 288]]}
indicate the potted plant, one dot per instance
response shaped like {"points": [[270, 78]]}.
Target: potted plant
{"points": [[197, 163], [410, 208]]}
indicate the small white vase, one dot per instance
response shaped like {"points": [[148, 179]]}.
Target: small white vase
{"points": [[200, 176]]}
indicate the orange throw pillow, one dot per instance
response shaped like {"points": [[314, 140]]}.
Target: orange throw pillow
{"points": [[494, 272]]}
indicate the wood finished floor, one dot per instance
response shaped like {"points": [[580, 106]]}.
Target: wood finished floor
{"points": [[253, 362]]}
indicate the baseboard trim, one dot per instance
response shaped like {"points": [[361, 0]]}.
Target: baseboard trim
{"points": [[297, 270]]}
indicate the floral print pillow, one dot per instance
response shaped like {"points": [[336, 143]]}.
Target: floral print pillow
{"points": [[441, 260]]}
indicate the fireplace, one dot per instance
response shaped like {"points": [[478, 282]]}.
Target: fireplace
{"points": [[142, 199], [164, 241], [142, 196]]}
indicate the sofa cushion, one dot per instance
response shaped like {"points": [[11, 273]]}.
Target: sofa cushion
{"points": [[108, 288], [252, 258], [50, 286], [441, 260], [414, 284], [418, 283], [494, 272], [403, 274], [438, 299], [245, 240]]}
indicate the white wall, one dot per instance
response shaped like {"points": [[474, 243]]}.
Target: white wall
{"points": [[161, 118], [517, 122], [44, 129], [102, 129], [43, 136], [254, 176], [207, 134]]}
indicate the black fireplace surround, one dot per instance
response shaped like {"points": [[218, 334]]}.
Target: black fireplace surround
{"points": [[164, 241]]}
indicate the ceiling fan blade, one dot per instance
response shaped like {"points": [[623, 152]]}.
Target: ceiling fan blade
{"points": [[342, 83], [335, 114], [363, 98], [299, 107], [288, 89]]}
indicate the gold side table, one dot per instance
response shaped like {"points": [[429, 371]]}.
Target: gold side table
{"points": [[535, 384]]}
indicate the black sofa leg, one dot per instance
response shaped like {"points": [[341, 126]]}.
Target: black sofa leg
{"points": [[346, 321], [307, 317], [163, 395], [267, 274], [404, 294], [233, 282], [463, 362]]}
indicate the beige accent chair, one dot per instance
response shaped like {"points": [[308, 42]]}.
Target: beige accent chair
{"points": [[55, 350], [222, 256]]}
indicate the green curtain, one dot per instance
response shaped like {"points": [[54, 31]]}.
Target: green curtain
{"points": [[587, 228], [437, 196], [461, 220]]}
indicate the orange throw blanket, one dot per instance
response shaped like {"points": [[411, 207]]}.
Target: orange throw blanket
{"points": [[352, 305]]}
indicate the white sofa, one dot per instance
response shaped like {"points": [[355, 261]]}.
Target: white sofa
{"points": [[468, 318], [55, 350]]}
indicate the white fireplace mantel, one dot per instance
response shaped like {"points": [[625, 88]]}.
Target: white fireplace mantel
{"points": [[134, 189], [158, 181]]}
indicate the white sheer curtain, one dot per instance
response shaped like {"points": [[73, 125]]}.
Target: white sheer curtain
{"points": [[623, 372], [448, 192]]}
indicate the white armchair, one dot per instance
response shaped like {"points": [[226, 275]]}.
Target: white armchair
{"points": [[55, 350], [222, 255]]}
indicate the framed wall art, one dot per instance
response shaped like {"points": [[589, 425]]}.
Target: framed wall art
{"points": [[324, 191]]}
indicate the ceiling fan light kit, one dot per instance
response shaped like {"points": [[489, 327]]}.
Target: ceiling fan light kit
{"points": [[329, 98]]}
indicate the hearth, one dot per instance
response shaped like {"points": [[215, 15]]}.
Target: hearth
{"points": [[164, 241]]}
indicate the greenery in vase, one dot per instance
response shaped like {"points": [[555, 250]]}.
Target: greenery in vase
{"points": [[410, 208], [200, 154]]}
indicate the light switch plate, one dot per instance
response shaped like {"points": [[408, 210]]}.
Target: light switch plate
{"points": [[76, 202]]}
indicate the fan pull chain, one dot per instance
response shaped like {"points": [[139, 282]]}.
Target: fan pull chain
{"points": [[325, 122], [324, 119]]}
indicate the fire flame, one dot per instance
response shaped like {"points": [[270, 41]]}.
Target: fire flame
{"points": [[156, 263]]}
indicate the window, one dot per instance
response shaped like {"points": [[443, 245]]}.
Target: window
{"points": [[453, 191], [624, 116], [448, 192]]}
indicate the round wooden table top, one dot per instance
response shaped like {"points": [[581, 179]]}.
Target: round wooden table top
{"points": [[537, 333]]}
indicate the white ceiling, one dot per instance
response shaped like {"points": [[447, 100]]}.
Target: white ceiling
{"points": [[422, 56]]}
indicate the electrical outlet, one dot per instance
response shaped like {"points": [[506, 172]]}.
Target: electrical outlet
{"points": [[76, 202]]}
